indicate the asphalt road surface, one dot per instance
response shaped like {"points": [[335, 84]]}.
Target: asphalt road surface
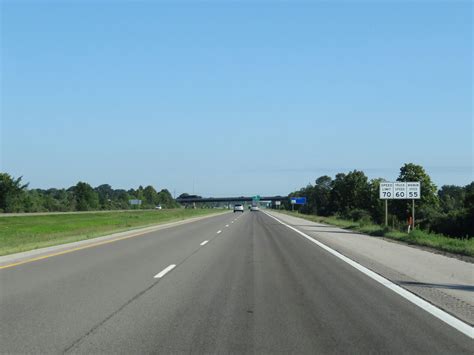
{"points": [[242, 283]]}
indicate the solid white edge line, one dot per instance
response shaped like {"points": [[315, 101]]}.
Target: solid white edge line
{"points": [[428, 307], [164, 271], [219, 232], [204, 242]]}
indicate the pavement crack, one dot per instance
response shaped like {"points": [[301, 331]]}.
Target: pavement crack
{"points": [[98, 325], [118, 310]]}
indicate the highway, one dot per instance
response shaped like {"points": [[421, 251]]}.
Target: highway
{"points": [[232, 283]]}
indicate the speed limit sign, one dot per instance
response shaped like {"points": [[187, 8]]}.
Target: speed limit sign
{"points": [[399, 190], [386, 190], [413, 190]]}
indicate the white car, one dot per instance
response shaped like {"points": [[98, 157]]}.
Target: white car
{"points": [[158, 207], [238, 208], [254, 208]]}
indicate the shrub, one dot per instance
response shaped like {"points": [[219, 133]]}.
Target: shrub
{"points": [[359, 215]]}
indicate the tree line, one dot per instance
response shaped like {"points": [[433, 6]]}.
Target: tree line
{"points": [[449, 210], [15, 196]]}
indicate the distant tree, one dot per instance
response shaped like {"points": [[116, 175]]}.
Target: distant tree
{"points": [[85, 196], [468, 217], [457, 219], [105, 194], [413, 172], [150, 196], [350, 192], [451, 198], [469, 198], [58, 199], [338, 193], [140, 196], [310, 206], [121, 198], [11, 193], [322, 195], [376, 205], [166, 199], [427, 206], [33, 201]]}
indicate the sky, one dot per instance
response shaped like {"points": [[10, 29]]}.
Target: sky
{"points": [[224, 98]]}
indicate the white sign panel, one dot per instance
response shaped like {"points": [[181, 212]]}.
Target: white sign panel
{"points": [[386, 190], [413, 190], [277, 203], [399, 190]]}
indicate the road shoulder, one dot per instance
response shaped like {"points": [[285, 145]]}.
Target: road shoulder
{"points": [[443, 281]]}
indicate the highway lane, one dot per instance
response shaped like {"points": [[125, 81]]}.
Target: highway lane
{"points": [[45, 305], [255, 287]]}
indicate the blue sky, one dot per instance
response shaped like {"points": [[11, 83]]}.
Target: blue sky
{"points": [[234, 97]]}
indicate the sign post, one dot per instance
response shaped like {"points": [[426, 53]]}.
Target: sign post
{"points": [[386, 193], [413, 192]]}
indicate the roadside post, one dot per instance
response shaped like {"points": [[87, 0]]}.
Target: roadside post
{"points": [[386, 193], [400, 191], [413, 192]]}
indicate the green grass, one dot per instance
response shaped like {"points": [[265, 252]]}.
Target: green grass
{"points": [[416, 237], [24, 233]]}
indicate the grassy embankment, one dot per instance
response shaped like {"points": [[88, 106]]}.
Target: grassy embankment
{"points": [[416, 237], [24, 233]]}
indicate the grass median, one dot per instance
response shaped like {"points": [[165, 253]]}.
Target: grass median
{"points": [[416, 237], [22, 233]]}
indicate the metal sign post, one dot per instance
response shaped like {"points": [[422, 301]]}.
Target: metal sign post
{"points": [[413, 192], [386, 193]]}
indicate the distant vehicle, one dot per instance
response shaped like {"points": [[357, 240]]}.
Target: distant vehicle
{"points": [[238, 208], [158, 207], [254, 208]]}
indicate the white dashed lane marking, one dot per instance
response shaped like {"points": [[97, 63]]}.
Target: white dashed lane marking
{"points": [[164, 271]]}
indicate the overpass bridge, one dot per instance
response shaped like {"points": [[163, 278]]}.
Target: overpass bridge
{"points": [[196, 199]]}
